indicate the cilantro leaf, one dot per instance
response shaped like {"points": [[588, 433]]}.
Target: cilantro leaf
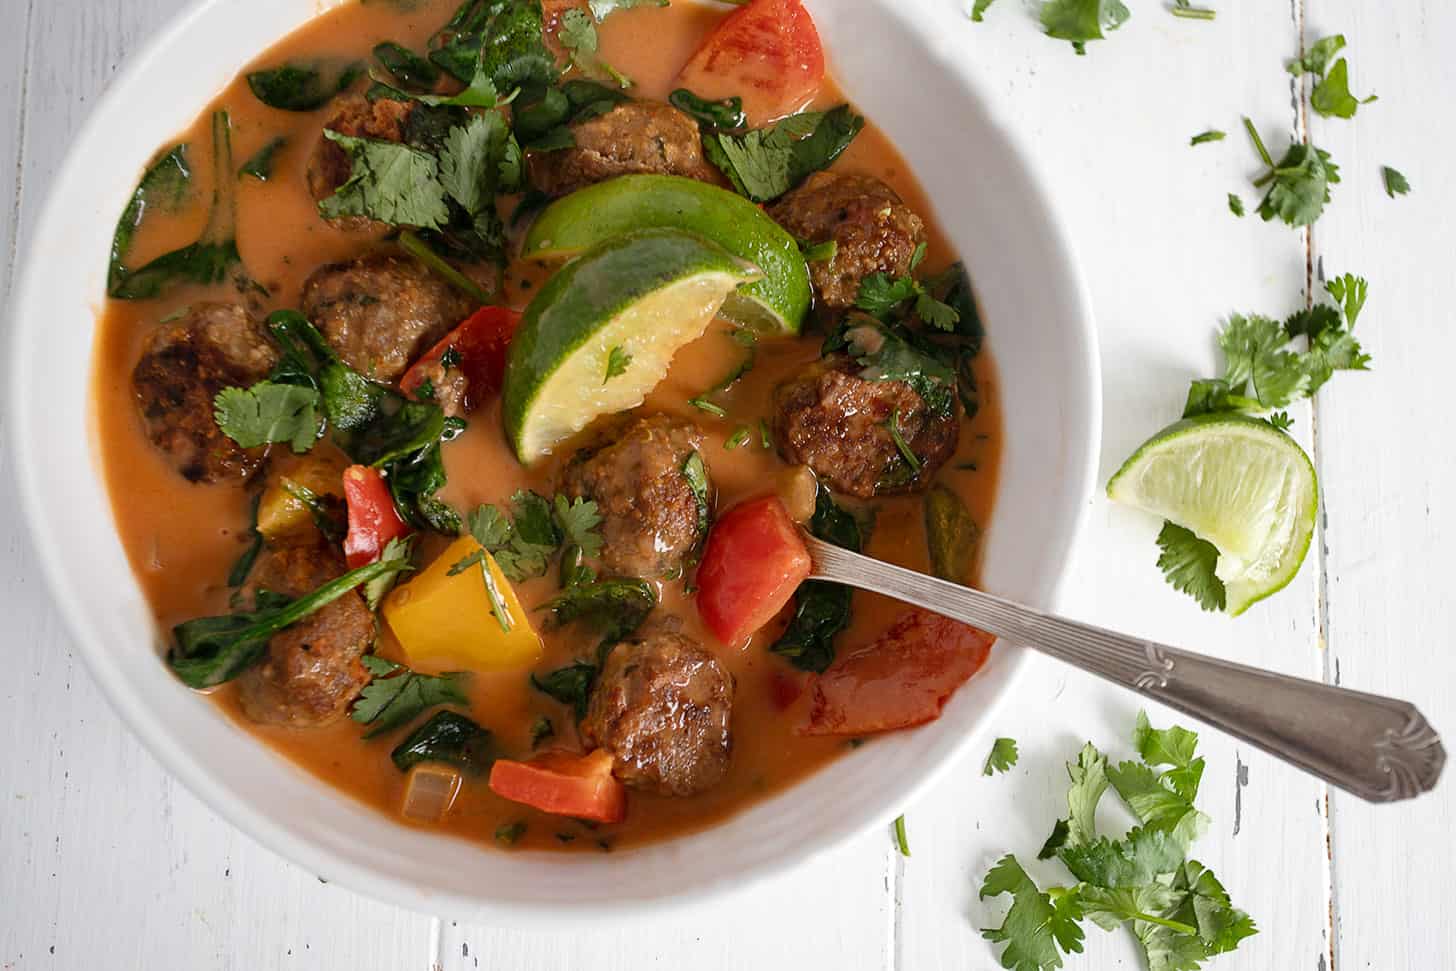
{"points": [[1089, 782], [1253, 348], [1317, 58], [617, 363], [472, 159], [1157, 804], [390, 182], [1331, 97], [269, 412], [881, 294], [978, 10], [1349, 291], [1206, 905], [1298, 184], [615, 606], [1110, 906], [397, 694], [1188, 563], [1139, 859], [1236, 205], [578, 521], [1395, 183], [1212, 135], [1002, 757], [765, 163], [1079, 21], [1036, 930]]}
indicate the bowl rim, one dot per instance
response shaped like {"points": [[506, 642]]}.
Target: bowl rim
{"points": [[105, 668]]}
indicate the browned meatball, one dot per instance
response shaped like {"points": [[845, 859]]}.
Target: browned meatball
{"points": [[312, 671], [636, 137], [650, 513], [329, 166], [184, 364], [381, 312], [838, 424], [873, 231], [662, 707]]}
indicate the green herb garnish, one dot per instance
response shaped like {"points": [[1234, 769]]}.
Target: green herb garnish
{"points": [[1002, 757], [396, 694]]}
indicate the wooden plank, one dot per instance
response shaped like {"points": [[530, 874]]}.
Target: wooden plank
{"points": [[834, 913], [1166, 262], [102, 855], [1386, 464]]}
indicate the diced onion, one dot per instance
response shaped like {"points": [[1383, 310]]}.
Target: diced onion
{"points": [[429, 792]]}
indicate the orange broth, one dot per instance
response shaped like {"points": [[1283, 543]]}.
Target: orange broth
{"points": [[182, 538]]}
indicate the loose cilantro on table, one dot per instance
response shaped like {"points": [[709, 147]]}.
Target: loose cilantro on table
{"points": [[1176, 908], [1331, 95], [979, 8], [396, 694], [1236, 205], [1395, 183], [1212, 135], [303, 87], [1003, 756], [1182, 8], [902, 841], [1079, 21], [1298, 184]]}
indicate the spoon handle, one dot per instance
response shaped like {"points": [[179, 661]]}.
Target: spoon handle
{"points": [[1380, 749]]}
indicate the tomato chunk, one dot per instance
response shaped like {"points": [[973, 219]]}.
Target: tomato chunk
{"points": [[766, 51], [753, 562], [581, 786], [903, 678], [373, 521], [480, 343]]}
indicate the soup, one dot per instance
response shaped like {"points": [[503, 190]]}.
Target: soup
{"points": [[308, 332]]}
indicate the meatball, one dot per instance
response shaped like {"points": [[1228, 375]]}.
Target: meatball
{"points": [[183, 366], [662, 707], [381, 312], [329, 165], [312, 670], [838, 423], [633, 138], [651, 515], [873, 231]]}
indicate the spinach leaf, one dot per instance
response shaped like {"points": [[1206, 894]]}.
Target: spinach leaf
{"points": [[302, 86], [416, 73], [210, 650], [397, 694], [238, 575], [821, 608], [616, 606], [215, 252], [260, 166], [543, 122], [765, 163], [505, 37], [571, 685], [447, 737], [725, 114]]}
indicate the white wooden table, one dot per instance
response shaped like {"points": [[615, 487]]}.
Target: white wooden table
{"points": [[105, 861]]}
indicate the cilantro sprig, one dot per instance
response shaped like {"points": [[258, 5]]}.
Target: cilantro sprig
{"points": [[1176, 908], [1331, 95], [524, 541], [1297, 187], [397, 694], [1003, 756]]}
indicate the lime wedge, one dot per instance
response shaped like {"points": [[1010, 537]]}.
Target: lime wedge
{"points": [[775, 304], [600, 333], [1237, 482]]}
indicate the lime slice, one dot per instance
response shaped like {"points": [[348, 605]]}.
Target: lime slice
{"points": [[600, 333], [1237, 482], [775, 304]]}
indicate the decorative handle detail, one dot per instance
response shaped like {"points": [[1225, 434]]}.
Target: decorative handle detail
{"points": [[1378, 748]]}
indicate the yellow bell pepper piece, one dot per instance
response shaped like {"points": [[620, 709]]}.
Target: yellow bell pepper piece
{"points": [[281, 514], [449, 622]]}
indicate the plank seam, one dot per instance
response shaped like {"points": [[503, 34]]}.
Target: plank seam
{"points": [[12, 257]]}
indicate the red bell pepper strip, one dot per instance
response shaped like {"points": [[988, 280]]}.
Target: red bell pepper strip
{"points": [[373, 521], [903, 678], [480, 343], [753, 562], [581, 786], [766, 51]]}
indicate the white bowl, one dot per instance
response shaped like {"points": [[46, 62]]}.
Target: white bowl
{"points": [[1041, 331]]}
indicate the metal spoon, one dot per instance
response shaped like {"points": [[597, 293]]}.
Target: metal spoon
{"points": [[1380, 749]]}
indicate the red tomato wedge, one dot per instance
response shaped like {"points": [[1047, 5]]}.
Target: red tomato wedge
{"points": [[903, 678], [766, 51], [481, 343], [753, 562], [373, 521], [580, 786]]}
